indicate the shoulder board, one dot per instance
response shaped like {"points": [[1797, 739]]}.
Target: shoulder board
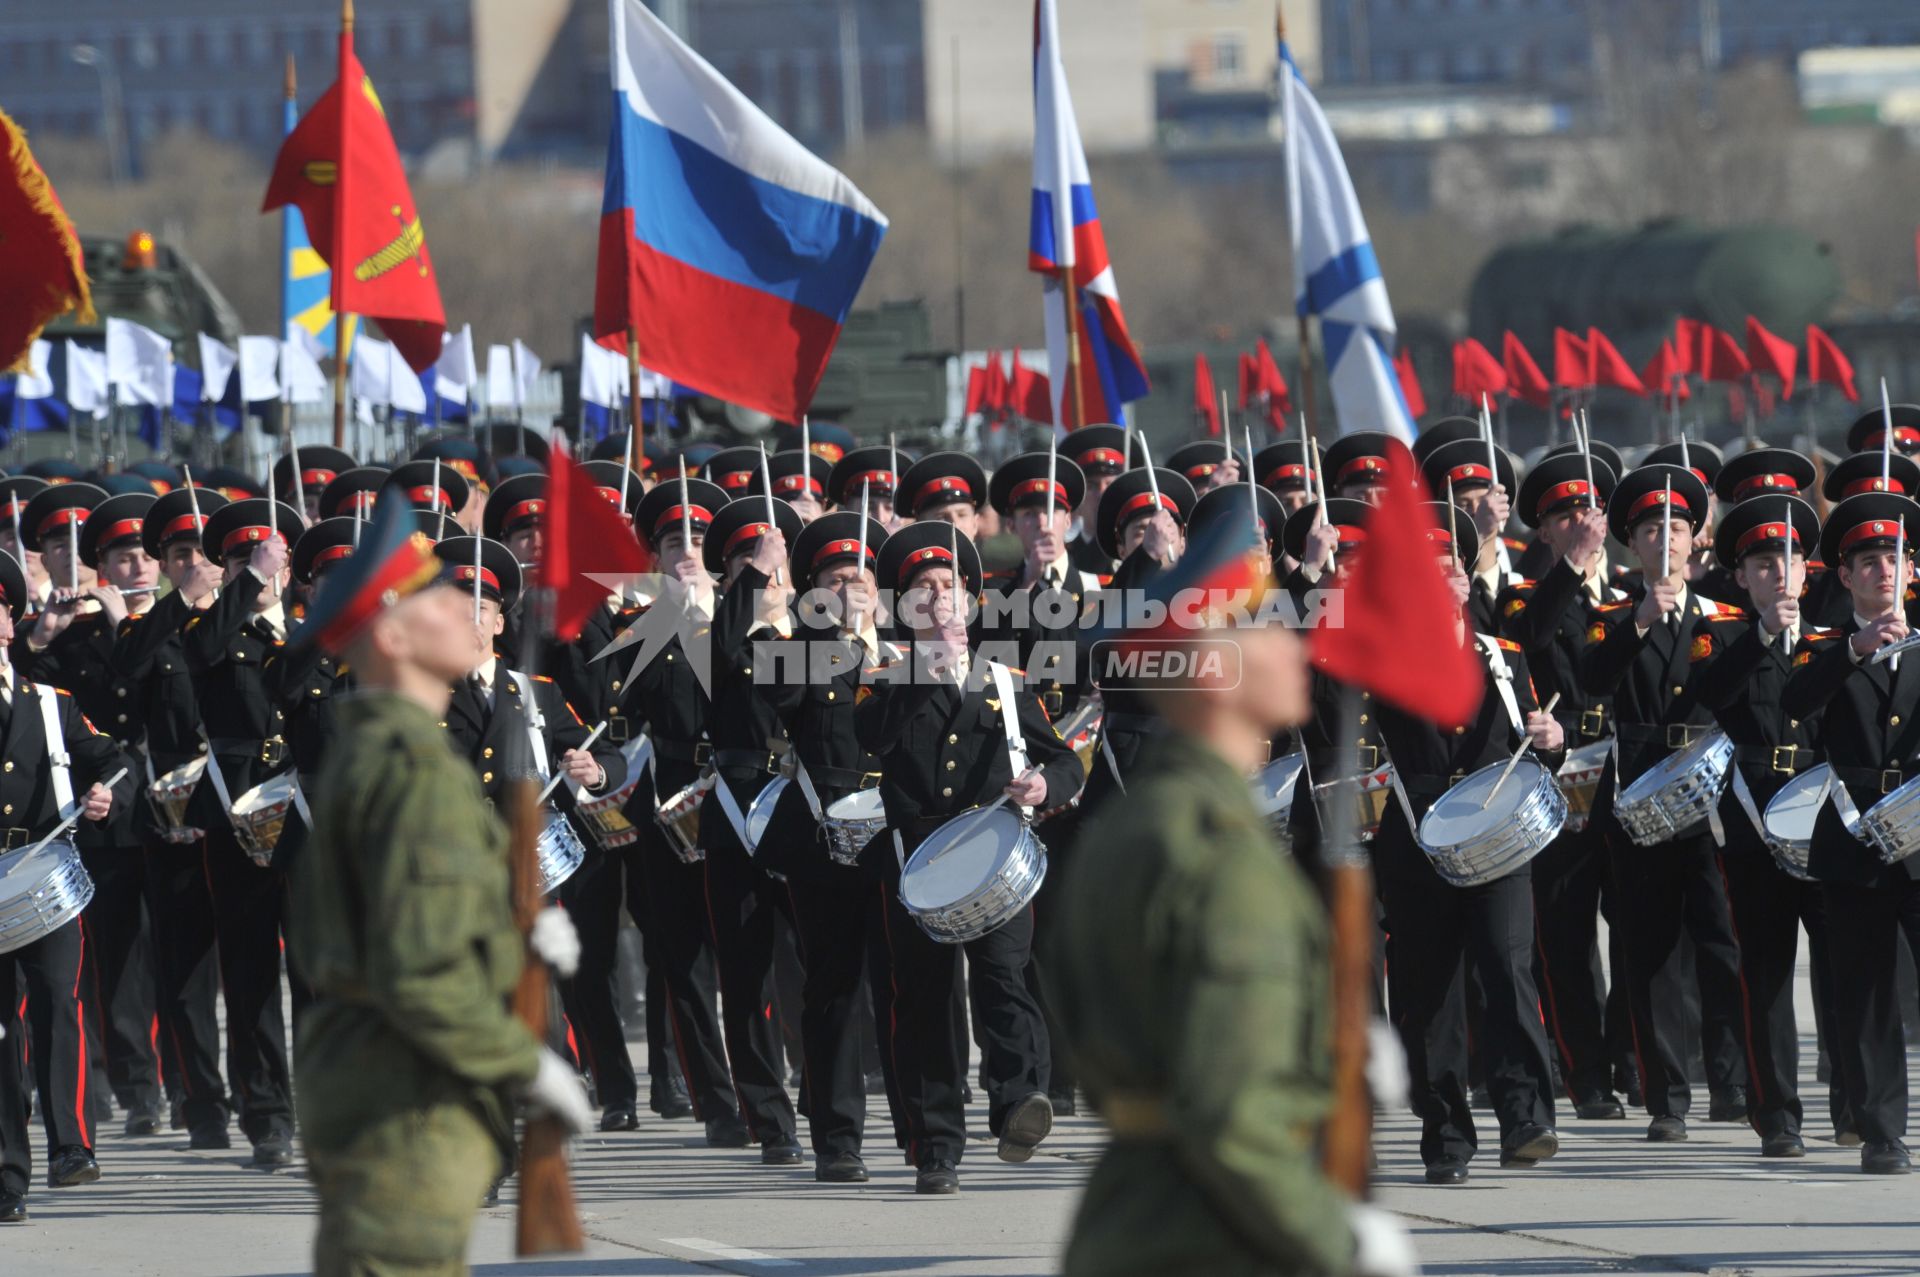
{"points": [[541, 678], [133, 616], [61, 691], [1819, 636], [1507, 645], [1513, 543], [1514, 607], [1622, 605], [1708, 607], [192, 621]]}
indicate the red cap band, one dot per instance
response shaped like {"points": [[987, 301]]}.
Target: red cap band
{"points": [[746, 532], [318, 479], [1765, 483], [526, 511], [1657, 497], [950, 484], [241, 537], [798, 481], [436, 497], [1765, 532], [1139, 501], [1361, 466], [332, 554], [695, 514], [1347, 535], [612, 495], [73, 514], [183, 525], [1875, 484], [122, 530], [1471, 471], [879, 479], [464, 575], [734, 479], [1202, 470], [1035, 488], [1562, 492], [12, 508], [1871, 530], [846, 547], [1100, 457], [1905, 435], [921, 558], [1279, 474]]}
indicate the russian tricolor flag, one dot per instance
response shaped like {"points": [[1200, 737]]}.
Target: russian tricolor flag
{"points": [[728, 249], [1066, 238]]}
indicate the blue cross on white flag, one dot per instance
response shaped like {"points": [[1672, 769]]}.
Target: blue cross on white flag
{"points": [[1335, 274]]}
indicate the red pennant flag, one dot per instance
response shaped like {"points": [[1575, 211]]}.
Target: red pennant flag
{"points": [[1609, 366], [1663, 377], [590, 546], [976, 389], [1476, 372], [376, 248], [1274, 386], [1206, 400], [1396, 602], [1572, 361], [42, 275], [996, 397], [1249, 379], [1826, 365], [1687, 344], [1768, 353], [1720, 357], [1525, 381], [1030, 394], [1410, 382]]}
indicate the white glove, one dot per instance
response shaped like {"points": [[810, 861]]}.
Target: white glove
{"points": [[556, 1091], [1382, 1247], [1387, 1079], [558, 944]]}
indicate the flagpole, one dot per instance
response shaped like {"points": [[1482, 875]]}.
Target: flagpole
{"points": [[1305, 362], [338, 280], [1073, 347], [633, 394]]}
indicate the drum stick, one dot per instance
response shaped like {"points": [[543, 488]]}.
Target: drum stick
{"points": [[1053, 466], [1514, 761], [686, 515], [1486, 433], [893, 470], [73, 556], [1453, 527], [860, 564], [559, 776], [1886, 439], [1686, 460], [72, 817], [273, 508], [19, 546], [436, 485], [478, 544], [766, 488], [1253, 495], [971, 825], [299, 480], [806, 453], [1146, 456], [1666, 536], [626, 483], [1585, 430]]}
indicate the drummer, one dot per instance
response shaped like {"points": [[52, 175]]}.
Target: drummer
{"points": [[667, 894], [867, 471], [15, 491], [799, 478], [1763, 542], [749, 745], [1438, 932], [1564, 499], [318, 466], [942, 736], [1871, 723], [232, 648], [1462, 470], [948, 486], [1646, 656], [809, 667], [1101, 453], [45, 972]]}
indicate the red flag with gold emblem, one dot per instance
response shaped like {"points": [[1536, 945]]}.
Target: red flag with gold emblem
{"points": [[360, 212], [41, 274]]}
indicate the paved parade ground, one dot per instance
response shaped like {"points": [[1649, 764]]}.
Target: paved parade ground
{"points": [[658, 1203]]}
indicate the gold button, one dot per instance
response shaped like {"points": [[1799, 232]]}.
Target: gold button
{"points": [[315, 692], [669, 655], [487, 752], [952, 739], [1793, 722], [945, 793], [443, 725], [749, 669], [1366, 696], [1895, 720], [9, 765], [1678, 690], [616, 684], [486, 778], [121, 718], [239, 656], [1363, 720], [830, 695], [1460, 731], [951, 764], [119, 691], [7, 810]]}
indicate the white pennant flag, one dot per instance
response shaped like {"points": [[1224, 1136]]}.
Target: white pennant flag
{"points": [[37, 381], [453, 376], [259, 369], [140, 363], [301, 380], [217, 366], [526, 370], [86, 379], [499, 378]]}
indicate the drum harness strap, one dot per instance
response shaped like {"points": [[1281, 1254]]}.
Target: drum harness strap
{"points": [[1503, 684], [1745, 795], [219, 780], [57, 758], [1016, 745]]}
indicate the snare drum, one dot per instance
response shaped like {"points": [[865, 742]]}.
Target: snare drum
{"points": [[1470, 844], [1674, 797], [1273, 787], [1580, 781], [605, 817], [1892, 826], [559, 852], [260, 815], [1370, 794], [170, 795], [679, 817], [1788, 823], [851, 823], [42, 889], [1081, 731], [973, 874], [760, 812]]}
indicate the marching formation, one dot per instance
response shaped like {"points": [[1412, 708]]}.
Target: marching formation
{"points": [[869, 806]]}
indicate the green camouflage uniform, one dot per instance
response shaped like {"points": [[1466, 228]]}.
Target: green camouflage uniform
{"points": [[1195, 992], [401, 921]]}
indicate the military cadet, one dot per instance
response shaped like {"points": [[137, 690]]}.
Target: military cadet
{"points": [[46, 778], [351, 493], [1286, 470], [1207, 464], [810, 668], [1463, 470], [942, 738], [732, 469], [1644, 656], [864, 471], [1357, 466], [749, 743], [948, 486], [1763, 541], [829, 441], [1101, 453], [231, 647], [1827, 604], [1438, 933], [409, 1059], [1869, 429], [1704, 576], [1870, 721], [1036, 608], [1538, 558], [1563, 499], [465, 458], [317, 466], [15, 492], [69, 646], [1197, 992], [799, 479], [666, 879], [148, 653]]}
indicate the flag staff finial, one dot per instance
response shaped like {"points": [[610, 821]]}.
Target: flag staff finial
{"points": [[346, 15], [1279, 20], [289, 86]]}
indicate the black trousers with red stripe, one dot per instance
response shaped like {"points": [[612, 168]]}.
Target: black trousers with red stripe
{"points": [[743, 904], [672, 896], [120, 977], [248, 905], [1567, 881], [47, 976], [1768, 908], [923, 1044], [1867, 1042], [180, 906]]}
